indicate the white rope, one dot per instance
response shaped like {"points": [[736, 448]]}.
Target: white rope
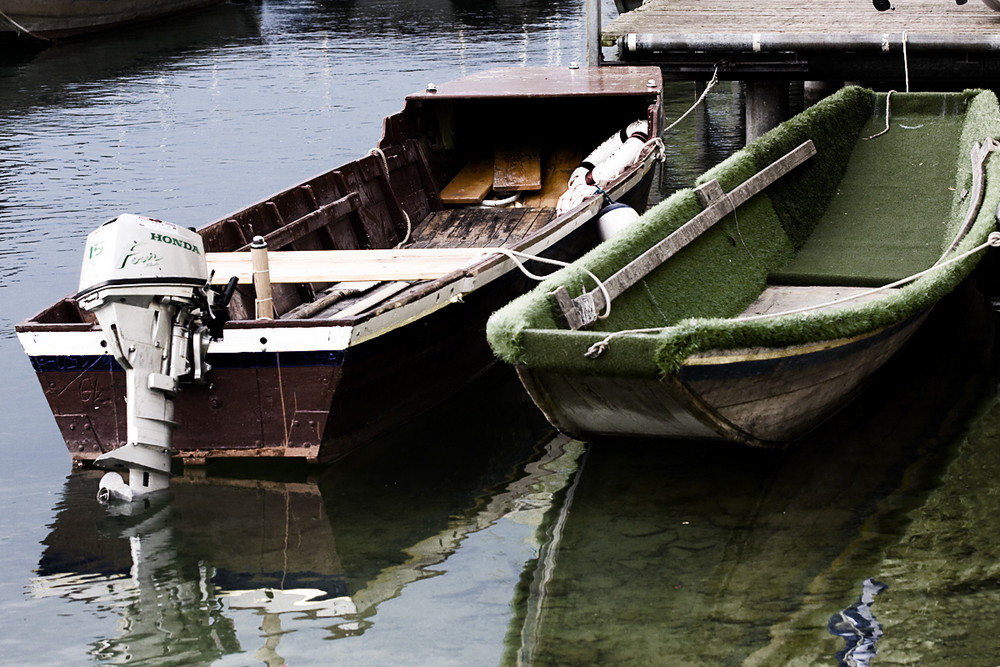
{"points": [[708, 87], [377, 152], [515, 255], [598, 348], [906, 63], [888, 96]]}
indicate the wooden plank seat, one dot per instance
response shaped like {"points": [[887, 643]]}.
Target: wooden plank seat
{"points": [[330, 266], [780, 298], [558, 167], [471, 185], [513, 169], [517, 169]]}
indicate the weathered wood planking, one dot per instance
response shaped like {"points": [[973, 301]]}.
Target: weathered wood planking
{"points": [[780, 298], [322, 266], [557, 169], [582, 311], [782, 399], [824, 19], [517, 169], [470, 185]]}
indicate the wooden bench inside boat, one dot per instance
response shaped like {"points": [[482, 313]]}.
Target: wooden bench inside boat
{"points": [[540, 176], [517, 169], [470, 185], [777, 299], [332, 266]]}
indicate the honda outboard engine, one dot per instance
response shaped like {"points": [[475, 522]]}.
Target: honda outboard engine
{"points": [[147, 282]]}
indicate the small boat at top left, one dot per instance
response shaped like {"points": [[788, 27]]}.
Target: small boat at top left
{"points": [[59, 19]]}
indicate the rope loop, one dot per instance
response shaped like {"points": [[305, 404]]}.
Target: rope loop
{"points": [[384, 163], [516, 256], [888, 96]]}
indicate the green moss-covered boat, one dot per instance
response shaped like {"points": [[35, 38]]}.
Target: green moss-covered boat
{"points": [[758, 323]]}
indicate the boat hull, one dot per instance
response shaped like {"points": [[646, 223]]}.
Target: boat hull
{"points": [[58, 20], [761, 397], [756, 328], [318, 396], [372, 330]]}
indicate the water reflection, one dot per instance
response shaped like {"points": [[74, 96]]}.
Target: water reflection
{"points": [[717, 555], [296, 550], [858, 627]]}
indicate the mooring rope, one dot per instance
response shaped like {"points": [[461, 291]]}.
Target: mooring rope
{"points": [[993, 240], [708, 87], [906, 63], [888, 96], [384, 163], [516, 256]]}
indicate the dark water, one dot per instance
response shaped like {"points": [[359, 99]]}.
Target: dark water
{"points": [[474, 536]]}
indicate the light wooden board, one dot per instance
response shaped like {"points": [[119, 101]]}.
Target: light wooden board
{"points": [[470, 185], [558, 168], [321, 266], [517, 169], [582, 311], [779, 298]]}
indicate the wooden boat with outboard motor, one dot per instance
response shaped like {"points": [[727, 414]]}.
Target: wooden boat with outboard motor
{"points": [[753, 306], [381, 274], [59, 19]]}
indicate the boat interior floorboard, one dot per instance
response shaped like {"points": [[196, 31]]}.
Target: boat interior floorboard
{"points": [[479, 227], [778, 299], [883, 227]]}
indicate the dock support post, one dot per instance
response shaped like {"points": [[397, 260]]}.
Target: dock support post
{"points": [[593, 32], [766, 106]]}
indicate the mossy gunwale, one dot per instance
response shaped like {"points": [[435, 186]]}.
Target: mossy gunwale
{"points": [[717, 276]]}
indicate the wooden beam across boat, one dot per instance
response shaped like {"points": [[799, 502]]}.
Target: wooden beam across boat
{"points": [[582, 311], [328, 266]]}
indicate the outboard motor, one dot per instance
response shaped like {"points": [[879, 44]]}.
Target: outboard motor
{"points": [[147, 282]]}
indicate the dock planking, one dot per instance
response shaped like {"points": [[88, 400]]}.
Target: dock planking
{"points": [[806, 40]]}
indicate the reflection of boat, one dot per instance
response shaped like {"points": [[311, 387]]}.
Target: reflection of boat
{"points": [[758, 548], [54, 75], [58, 19], [374, 334], [756, 323], [296, 548]]}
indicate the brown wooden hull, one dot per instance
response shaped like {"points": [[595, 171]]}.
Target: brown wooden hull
{"points": [[50, 21], [761, 397], [342, 363]]}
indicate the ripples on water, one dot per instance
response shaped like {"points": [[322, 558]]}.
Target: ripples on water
{"points": [[456, 541]]}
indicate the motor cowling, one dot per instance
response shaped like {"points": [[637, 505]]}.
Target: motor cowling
{"points": [[147, 282]]}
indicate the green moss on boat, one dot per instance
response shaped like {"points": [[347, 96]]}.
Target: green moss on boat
{"points": [[859, 214]]}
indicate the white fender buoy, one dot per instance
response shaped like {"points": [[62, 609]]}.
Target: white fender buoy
{"points": [[614, 165], [613, 218], [604, 164]]}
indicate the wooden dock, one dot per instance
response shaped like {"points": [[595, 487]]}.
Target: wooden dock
{"points": [[919, 45], [823, 40]]}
